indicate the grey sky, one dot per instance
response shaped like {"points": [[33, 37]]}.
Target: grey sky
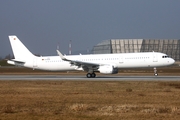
{"points": [[42, 24]]}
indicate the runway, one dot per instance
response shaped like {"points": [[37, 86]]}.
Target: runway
{"points": [[83, 78]]}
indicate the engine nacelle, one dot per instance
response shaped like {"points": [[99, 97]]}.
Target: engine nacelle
{"points": [[108, 69]]}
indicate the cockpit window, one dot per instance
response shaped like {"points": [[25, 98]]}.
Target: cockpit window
{"points": [[165, 56]]}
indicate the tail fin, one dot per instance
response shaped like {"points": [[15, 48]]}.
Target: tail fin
{"points": [[19, 50]]}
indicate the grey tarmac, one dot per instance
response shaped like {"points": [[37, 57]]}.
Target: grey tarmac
{"points": [[83, 78]]}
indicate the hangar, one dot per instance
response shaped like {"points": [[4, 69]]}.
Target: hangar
{"points": [[169, 46]]}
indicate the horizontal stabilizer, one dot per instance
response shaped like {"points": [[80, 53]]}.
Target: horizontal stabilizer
{"points": [[18, 61]]}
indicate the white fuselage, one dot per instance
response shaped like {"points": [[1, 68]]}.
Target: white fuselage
{"points": [[122, 60]]}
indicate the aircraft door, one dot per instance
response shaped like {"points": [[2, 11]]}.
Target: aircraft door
{"points": [[155, 58], [35, 63], [121, 59]]}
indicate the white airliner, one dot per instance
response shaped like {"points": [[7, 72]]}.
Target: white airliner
{"points": [[103, 63]]}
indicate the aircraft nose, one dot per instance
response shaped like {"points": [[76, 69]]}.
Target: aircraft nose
{"points": [[171, 61]]}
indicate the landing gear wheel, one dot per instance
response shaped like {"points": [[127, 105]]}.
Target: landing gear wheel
{"points": [[155, 74], [91, 75], [88, 75]]}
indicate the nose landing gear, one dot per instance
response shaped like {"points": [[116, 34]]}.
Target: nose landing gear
{"points": [[155, 72]]}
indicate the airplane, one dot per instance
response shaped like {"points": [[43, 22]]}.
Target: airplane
{"points": [[91, 63]]}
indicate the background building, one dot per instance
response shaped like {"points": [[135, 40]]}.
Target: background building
{"points": [[169, 46]]}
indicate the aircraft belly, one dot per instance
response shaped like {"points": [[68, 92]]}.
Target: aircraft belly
{"points": [[56, 66]]}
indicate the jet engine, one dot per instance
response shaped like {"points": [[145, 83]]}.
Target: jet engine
{"points": [[108, 69]]}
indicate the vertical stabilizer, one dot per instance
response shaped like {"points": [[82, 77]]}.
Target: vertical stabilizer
{"points": [[19, 50]]}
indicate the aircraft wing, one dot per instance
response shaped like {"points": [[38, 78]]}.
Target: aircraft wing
{"points": [[84, 65]]}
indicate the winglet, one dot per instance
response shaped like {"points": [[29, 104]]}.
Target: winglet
{"points": [[61, 56]]}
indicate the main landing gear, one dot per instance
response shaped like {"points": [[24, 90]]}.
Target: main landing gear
{"points": [[155, 72], [91, 75]]}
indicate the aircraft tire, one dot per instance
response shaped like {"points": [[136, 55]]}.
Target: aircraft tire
{"points": [[155, 74], [89, 75], [93, 75]]}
